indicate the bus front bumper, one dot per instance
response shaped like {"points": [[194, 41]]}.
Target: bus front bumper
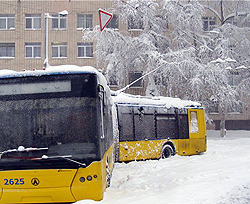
{"points": [[51, 186]]}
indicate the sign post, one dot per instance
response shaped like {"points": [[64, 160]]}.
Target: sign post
{"points": [[104, 18]]}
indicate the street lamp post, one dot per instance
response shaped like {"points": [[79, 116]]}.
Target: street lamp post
{"points": [[46, 38]]}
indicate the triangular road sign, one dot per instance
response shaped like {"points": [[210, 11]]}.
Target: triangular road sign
{"points": [[104, 18]]}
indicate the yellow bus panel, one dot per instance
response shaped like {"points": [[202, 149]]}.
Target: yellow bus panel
{"points": [[87, 183], [97, 172], [56, 185], [36, 186], [190, 146], [140, 150]]}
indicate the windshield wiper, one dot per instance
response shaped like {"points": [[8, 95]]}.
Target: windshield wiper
{"points": [[65, 157], [20, 149]]}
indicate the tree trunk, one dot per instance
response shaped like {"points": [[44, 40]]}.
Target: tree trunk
{"points": [[222, 128], [221, 12], [223, 116]]}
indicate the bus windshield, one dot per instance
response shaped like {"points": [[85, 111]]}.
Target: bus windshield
{"points": [[46, 119]]}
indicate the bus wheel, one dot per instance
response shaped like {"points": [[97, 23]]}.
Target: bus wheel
{"points": [[166, 151]]}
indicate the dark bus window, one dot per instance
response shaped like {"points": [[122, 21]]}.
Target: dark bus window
{"points": [[167, 127], [45, 123], [144, 127], [51, 86], [184, 130], [126, 127]]}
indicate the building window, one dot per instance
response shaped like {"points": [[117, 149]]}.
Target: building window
{"points": [[7, 50], [134, 76], [33, 21], [84, 21], [114, 22], [7, 21], [85, 49], [33, 50], [135, 23], [113, 82], [59, 50], [208, 23], [59, 21], [235, 77]]}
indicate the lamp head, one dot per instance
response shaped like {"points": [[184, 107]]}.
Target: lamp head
{"points": [[63, 13]]}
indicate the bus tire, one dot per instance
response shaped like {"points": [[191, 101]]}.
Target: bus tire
{"points": [[166, 151]]}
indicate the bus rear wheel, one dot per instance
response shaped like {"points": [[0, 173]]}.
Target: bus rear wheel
{"points": [[166, 151]]}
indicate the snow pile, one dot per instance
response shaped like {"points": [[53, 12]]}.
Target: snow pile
{"points": [[219, 176], [168, 102], [4, 72]]}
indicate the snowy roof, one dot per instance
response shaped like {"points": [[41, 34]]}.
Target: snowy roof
{"points": [[57, 70], [168, 102], [63, 69]]}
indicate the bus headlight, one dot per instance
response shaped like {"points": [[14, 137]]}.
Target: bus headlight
{"points": [[82, 179], [89, 178]]}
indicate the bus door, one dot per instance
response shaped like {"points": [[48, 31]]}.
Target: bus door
{"points": [[183, 145], [126, 132], [197, 129]]}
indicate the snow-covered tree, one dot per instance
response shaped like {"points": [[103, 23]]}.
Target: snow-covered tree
{"points": [[227, 48], [186, 61]]}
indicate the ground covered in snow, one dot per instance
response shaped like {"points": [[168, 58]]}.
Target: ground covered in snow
{"points": [[221, 175]]}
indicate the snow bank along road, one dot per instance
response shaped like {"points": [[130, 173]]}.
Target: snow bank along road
{"points": [[221, 175]]}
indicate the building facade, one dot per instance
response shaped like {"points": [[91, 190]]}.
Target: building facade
{"points": [[22, 32]]}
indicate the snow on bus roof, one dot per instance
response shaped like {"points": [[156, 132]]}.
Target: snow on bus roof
{"points": [[63, 69], [168, 102], [56, 70], [51, 70]]}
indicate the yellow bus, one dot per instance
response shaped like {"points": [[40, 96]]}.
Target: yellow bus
{"points": [[158, 127], [52, 149]]}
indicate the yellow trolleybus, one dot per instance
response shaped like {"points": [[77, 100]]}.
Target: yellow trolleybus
{"points": [[159, 127], [52, 149]]}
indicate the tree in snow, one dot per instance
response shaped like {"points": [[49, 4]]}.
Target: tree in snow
{"points": [[226, 48], [186, 62]]}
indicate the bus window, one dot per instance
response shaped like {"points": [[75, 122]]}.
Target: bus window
{"points": [[144, 127], [126, 127], [102, 98], [193, 122], [183, 126], [166, 127]]}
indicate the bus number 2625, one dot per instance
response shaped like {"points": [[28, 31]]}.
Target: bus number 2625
{"points": [[15, 181]]}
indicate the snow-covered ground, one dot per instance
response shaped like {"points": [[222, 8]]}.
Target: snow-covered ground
{"points": [[221, 175]]}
